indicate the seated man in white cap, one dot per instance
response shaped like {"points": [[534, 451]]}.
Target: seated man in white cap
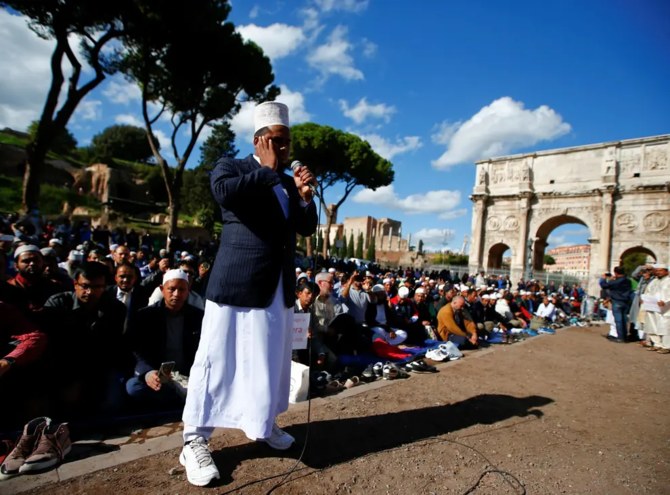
{"points": [[241, 374], [30, 279], [382, 319], [165, 332]]}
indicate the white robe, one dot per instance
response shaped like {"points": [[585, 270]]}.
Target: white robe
{"points": [[657, 323], [241, 375]]}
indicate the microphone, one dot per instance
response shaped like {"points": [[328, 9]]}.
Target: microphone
{"points": [[294, 165]]}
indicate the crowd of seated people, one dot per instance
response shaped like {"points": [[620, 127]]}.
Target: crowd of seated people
{"points": [[96, 323]]}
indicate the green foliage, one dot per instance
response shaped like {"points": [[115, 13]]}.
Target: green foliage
{"points": [[52, 197], [451, 259], [350, 246], [359, 245], [631, 261], [62, 142], [370, 254], [13, 139], [126, 142], [549, 260], [343, 250], [221, 142]]}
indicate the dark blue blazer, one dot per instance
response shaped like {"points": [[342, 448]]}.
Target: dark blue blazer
{"points": [[257, 241]]}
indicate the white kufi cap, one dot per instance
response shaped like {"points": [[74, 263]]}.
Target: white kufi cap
{"points": [[175, 274], [270, 113]]}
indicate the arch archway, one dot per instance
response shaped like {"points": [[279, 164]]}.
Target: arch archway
{"points": [[495, 257], [637, 249], [618, 190], [544, 231]]}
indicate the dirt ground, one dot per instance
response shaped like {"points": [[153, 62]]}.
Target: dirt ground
{"points": [[566, 413]]}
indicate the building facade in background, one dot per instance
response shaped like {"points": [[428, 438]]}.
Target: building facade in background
{"points": [[571, 260]]}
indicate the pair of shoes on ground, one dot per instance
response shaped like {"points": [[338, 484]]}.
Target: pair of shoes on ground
{"points": [[420, 366], [663, 350], [200, 467], [42, 445], [391, 371], [615, 339]]}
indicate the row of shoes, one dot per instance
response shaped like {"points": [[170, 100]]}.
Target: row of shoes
{"points": [[43, 445]]}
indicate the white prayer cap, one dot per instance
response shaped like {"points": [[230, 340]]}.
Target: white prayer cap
{"points": [[270, 113], [47, 251], [175, 274], [184, 254], [75, 255], [331, 270], [486, 296], [403, 292], [26, 248], [378, 288], [55, 240], [298, 270], [420, 291], [440, 287], [659, 266], [386, 281]]}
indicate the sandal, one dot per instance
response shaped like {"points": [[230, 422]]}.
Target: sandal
{"points": [[663, 350]]}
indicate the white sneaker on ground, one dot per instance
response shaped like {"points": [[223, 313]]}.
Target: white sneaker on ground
{"points": [[197, 459], [278, 439]]}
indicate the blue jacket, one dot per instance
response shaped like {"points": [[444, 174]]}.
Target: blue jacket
{"points": [[618, 289], [257, 241]]}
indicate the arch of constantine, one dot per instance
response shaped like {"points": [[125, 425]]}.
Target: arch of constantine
{"points": [[620, 191]]}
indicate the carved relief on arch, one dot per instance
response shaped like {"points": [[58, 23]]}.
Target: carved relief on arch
{"points": [[655, 221], [493, 223], [511, 223], [626, 222]]}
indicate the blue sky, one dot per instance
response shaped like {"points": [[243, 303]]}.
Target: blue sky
{"points": [[432, 85]]}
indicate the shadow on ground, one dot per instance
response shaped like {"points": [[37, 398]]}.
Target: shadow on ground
{"points": [[337, 441]]}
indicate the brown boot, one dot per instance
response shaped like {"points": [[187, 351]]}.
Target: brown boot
{"points": [[54, 444], [32, 432]]}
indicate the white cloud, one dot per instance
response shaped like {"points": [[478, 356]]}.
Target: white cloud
{"points": [[453, 214], [129, 119], [362, 110], [242, 123], [433, 239], [164, 140], [428, 202], [387, 149], [87, 110], [557, 241], [369, 48], [333, 57], [25, 74], [122, 92], [253, 13], [276, 40], [344, 5], [497, 129]]}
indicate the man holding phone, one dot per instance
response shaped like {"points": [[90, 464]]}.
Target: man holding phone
{"points": [[164, 338]]}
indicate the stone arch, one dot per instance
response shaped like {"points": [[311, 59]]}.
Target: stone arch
{"points": [[637, 249], [543, 232], [618, 190], [495, 255]]}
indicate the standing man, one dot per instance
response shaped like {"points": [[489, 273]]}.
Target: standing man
{"points": [[241, 374], [657, 324], [619, 290]]}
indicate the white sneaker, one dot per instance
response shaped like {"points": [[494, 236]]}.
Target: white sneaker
{"points": [[197, 459], [278, 439]]}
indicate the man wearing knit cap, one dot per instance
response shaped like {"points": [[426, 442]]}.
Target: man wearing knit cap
{"points": [[241, 374]]}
